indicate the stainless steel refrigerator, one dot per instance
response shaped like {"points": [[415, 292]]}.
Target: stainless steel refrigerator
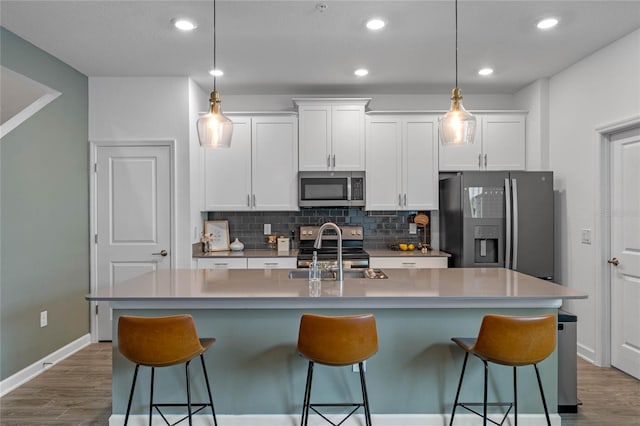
{"points": [[498, 219]]}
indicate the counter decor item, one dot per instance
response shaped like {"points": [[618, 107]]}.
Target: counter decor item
{"points": [[271, 240], [219, 231], [236, 245], [283, 243], [205, 239]]}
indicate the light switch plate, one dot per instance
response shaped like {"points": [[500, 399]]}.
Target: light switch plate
{"points": [[413, 228], [585, 236], [267, 228]]}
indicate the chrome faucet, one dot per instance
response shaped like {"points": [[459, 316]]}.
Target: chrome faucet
{"points": [[318, 244]]}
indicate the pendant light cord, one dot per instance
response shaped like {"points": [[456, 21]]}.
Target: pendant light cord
{"points": [[215, 49], [456, 13]]}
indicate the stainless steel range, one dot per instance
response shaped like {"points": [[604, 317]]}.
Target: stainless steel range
{"points": [[353, 253]]}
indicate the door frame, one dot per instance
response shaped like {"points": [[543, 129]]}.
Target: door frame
{"points": [[602, 249], [94, 145]]}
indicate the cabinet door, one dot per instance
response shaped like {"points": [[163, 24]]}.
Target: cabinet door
{"points": [[227, 172], [420, 165], [347, 137], [275, 167], [503, 137], [384, 163], [462, 157], [315, 137]]}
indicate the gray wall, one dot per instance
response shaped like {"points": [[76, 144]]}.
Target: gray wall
{"points": [[45, 213]]}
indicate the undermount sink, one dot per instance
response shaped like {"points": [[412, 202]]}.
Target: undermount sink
{"points": [[332, 275]]}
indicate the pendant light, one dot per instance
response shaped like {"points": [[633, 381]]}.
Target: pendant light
{"points": [[215, 128], [457, 126]]}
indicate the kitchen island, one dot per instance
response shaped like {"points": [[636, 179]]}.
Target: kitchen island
{"points": [[258, 378]]}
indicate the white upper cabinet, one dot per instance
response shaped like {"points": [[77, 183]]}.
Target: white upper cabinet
{"points": [[227, 172], [259, 171], [331, 134], [499, 145], [402, 162]]}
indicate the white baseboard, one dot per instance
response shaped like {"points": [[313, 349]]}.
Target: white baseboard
{"points": [[28, 373], [356, 420]]}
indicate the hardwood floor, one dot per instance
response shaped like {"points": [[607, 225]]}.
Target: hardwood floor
{"points": [[77, 391]]}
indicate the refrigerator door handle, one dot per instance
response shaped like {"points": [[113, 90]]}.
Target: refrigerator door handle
{"points": [[515, 224], [507, 193]]}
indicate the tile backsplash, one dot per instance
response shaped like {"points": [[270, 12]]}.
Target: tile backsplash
{"points": [[380, 228]]}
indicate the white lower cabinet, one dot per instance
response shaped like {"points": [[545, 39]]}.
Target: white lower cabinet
{"points": [[222, 263], [402, 162], [407, 262], [272, 263]]}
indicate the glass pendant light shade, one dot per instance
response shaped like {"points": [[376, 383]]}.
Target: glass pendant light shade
{"points": [[214, 128], [457, 126]]}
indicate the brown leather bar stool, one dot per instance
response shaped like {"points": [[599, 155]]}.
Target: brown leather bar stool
{"points": [[163, 342], [337, 341], [514, 341]]}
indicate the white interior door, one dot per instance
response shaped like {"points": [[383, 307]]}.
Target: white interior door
{"points": [[625, 252], [133, 217]]}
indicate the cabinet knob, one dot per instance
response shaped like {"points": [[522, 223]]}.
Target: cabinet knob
{"points": [[614, 261], [162, 253]]}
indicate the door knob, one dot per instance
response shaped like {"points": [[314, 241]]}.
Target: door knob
{"points": [[614, 261], [162, 253]]}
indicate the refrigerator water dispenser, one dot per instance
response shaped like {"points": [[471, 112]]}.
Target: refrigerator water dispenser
{"points": [[486, 243]]}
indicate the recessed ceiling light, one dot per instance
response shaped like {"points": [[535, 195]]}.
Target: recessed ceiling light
{"points": [[485, 71], [375, 24], [184, 24], [361, 72], [216, 73], [547, 23]]}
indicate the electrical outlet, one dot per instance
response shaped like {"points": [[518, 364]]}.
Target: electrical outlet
{"points": [[43, 319], [356, 368], [413, 228], [586, 236], [267, 228]]}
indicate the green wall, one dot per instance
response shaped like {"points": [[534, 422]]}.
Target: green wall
{"points": [[44, 217]]}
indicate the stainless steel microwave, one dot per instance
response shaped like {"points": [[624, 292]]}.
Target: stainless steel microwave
{"points": [[331, 189]]}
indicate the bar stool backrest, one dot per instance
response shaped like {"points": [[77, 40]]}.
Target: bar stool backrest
{"points": [[342, 340], [516, 340], [159, 341]]}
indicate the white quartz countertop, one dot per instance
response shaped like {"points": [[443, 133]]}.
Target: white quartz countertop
{"points": [[247, 253], [408, 253], [272, 288]]}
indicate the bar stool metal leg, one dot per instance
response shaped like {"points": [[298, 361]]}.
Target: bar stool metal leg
{"points": [[515, 395], [307, 396], [206, 378], [133, 386], [153, 370], [544, 401], [455, 402], [365, 396], [188, 392], [486, 374]]}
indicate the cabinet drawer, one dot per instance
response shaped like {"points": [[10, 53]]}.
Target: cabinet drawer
{"points": [[408, 262], [222, 263], [272, 263]]}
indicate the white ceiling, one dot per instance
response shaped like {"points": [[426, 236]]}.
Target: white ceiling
{"points": [[269, 47]]}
